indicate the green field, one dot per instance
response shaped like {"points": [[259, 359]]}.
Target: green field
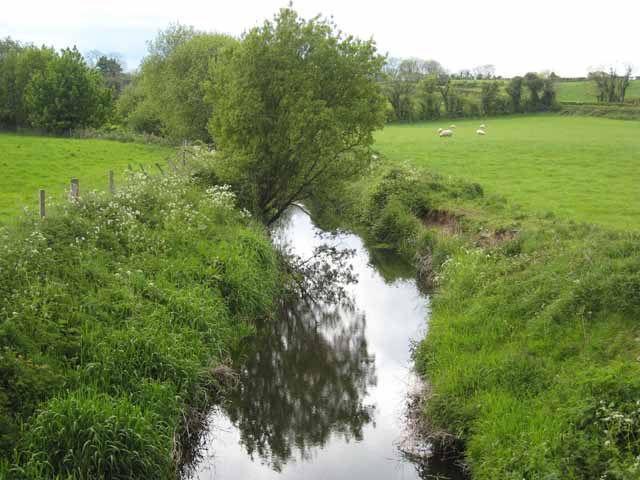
{"points": [[29, 163], [584, 91], [586, 169]]}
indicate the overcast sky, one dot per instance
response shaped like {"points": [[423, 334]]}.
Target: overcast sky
{"points": [[567, 36]]}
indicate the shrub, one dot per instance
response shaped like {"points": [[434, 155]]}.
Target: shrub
{"points": [[67, 95], [396, 225]]}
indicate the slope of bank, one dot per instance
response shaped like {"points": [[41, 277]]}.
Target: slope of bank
{"points": [[115, 313], [533, 344]]}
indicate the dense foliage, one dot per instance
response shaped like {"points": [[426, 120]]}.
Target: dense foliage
{"points": [[66, 95], [169, 94], [295, 105], [48, 90], [114, 311]]}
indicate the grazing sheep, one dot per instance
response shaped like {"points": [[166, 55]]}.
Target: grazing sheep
{"points": [[452, 126], [480, 132], [483, 126], [446, 133]]}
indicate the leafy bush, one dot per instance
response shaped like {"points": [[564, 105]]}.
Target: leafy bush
{"points": [[66, 95], [395, 225]]}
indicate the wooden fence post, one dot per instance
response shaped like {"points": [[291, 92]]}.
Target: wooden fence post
{"points": [[42, 204], [112, 184], [75, 189]]}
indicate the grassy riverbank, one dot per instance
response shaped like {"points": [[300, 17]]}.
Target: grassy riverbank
{"points": [[532, 351], [115, 313]]}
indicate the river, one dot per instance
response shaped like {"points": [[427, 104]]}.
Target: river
{"points": [[323, 393]]}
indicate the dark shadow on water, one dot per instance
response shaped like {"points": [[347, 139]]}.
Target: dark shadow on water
{"points": [[391, 266], [305, 380]]}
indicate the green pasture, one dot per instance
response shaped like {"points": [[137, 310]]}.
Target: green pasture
{"points": [[28, 163], [581, 168]]}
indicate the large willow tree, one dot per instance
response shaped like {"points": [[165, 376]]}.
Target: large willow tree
{"points": [[295, 105]]}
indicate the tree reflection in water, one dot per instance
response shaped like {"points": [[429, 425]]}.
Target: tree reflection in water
{"points": [[305, 380]]}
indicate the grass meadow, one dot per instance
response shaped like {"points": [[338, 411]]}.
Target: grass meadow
{"points": [[584, 91], [582, 168], [29, 163]]}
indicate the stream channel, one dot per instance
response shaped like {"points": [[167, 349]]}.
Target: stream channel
{"points": [[323, 394]]}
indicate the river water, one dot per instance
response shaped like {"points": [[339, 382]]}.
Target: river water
{"points": [[323, 393]]}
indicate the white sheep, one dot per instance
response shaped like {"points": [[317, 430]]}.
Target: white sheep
{"points": [[480, 132], [446, 133], [452, 126], [483, 126], [439, 130]]}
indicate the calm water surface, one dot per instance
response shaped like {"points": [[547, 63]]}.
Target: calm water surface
{"points": [[323, 393]]}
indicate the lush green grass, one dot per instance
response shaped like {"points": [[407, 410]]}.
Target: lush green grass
{"points": [[114, 313], [581, 168], [29, 163], [584, 91], [533, 342]]}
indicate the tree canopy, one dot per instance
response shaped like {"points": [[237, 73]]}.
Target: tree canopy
{"points": [[66, 94], [169, 95], [295, 105]]}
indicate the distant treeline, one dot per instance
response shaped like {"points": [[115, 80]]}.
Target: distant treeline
{"points": [[171, 94], [61, 92], [424, 90], [55, 91]]}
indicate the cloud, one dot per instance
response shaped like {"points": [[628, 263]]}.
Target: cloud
{"points": [[566, 36]]}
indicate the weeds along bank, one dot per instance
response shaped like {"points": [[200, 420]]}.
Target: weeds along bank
{"points": [[114, 314], [533, 344]]}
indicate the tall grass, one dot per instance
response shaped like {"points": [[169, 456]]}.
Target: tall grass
{"points": [[113, 313]]}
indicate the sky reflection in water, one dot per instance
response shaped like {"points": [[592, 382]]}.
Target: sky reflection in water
{"points": [[323, 394]]}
